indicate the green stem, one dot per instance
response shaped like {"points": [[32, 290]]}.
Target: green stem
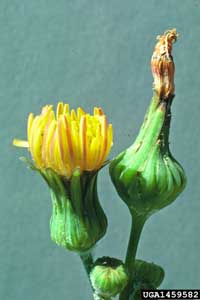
{"points": [[87, 260], [136, 229]]}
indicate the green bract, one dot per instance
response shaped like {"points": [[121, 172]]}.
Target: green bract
{"points": [[148, 274], [146, 175], [108, 277], [77, 221]]}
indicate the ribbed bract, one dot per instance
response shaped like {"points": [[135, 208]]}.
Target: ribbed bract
{"points": [[146, 175], [77, 220], [108, 277]]}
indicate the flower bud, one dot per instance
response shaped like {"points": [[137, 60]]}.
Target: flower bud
{"points": [[77, 221], [68, 148], [108, 277]]}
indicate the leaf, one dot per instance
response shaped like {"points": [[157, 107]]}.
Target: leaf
{"points": [[148, 274]]}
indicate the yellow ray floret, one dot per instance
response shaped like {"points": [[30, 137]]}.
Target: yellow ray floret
{"points": [[68, 140]]}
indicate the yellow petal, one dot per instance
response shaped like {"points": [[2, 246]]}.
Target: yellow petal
{"points": [[82, 134], [80, 113], [64, 144], [59, 110], [37, 139], [104, 141], [98, 111], [47, 143], [66, 109], [76, 143], [73, 115], [29, 125], [20, 143], [110, 139], [94, 153], [56, 160], [47, 130]]}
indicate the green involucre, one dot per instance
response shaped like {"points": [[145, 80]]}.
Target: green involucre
{"points": [[146, 175], [108, 277], [148, 273], [77, 221]]}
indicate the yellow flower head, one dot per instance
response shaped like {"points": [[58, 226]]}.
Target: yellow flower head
{"points": [[68, 141]]}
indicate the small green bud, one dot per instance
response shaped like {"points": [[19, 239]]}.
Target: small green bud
{"points": [[108, 277], [77, 221], [146, 175]]}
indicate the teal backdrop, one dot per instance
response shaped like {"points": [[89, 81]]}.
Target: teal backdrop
{"points": [[86, 53]]}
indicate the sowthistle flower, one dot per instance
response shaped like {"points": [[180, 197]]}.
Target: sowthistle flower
{"points": [[68, 149], [68, 140]]}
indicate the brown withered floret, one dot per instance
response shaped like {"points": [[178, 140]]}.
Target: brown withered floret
{"points": [[162, 65]]}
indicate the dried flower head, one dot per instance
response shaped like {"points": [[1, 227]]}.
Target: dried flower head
{"points": [[162, 65]]}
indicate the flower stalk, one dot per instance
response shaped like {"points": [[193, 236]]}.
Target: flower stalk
{"points": [[87, 260], [135, 233]]}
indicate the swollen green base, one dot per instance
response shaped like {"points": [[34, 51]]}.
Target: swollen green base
{"points": [[78, 221]]}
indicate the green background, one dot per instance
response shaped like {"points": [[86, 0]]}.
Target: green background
{"points": [[93, 52]]}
